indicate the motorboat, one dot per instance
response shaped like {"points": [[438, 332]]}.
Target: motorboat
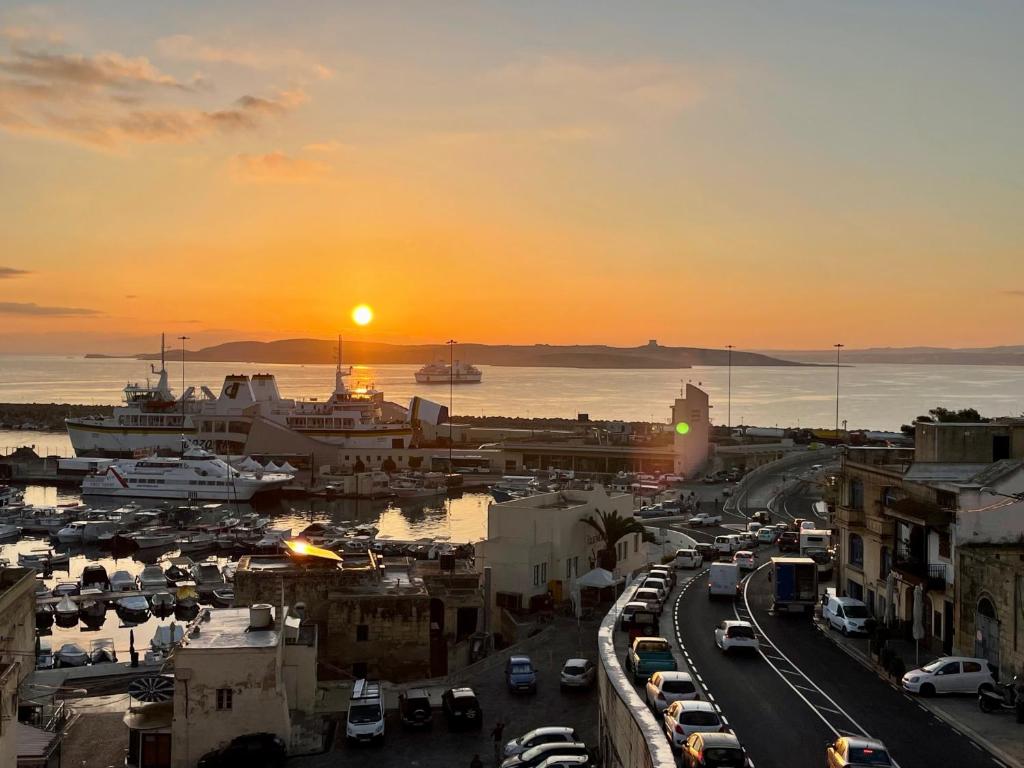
{"points": [[152, 577], [92, 609], [95, 576], [162, 604], [72, 655], [187, 605], [122, 581], [66, 588], [418, 486], [195, 541], [44, 654], [167, 637], [44, 616], [9, 532], [101, 651], [179, 570], [207, 576], [224, 597], [43, 559], [66, 612], [153, 538], [132, 609], [85, 531]]}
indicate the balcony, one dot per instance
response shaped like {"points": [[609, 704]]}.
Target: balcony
{"points": [[881, 527], [848, 517], [931, 576]]}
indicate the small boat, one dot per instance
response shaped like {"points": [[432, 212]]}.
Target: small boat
{"points": [[72, 655], [101, 651], [44, 616], [152, 577], [91, 609], [187, 605], [133, 609], [66, 588], [162, 604], [66, 612], [165, 638], [95, 576], [224, 598], [43, 559], [179, 570], [207, 576], [195, 542], [9, 532], [122, 581], [44, 654], [72, 534]]}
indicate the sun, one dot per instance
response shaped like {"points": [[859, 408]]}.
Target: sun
{"points": [[362, 315]]}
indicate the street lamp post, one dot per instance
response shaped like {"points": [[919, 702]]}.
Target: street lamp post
{"points": [[728, 416], [451, 395], [838, 348], [183, 339]]}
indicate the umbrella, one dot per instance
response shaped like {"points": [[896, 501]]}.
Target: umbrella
{"points": [[918, 628], [890, 599]]}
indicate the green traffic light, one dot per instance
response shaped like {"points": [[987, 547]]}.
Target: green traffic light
{"points": [[682, 427]]}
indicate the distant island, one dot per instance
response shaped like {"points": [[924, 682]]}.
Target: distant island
{"points": [[321, 351], [1004, 355]]}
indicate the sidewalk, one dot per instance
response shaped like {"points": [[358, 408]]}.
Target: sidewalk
{"points": [[999, 733]]}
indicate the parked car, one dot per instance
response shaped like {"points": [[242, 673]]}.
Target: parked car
{"points": [[648, 595], [950, 674], [637, 613], [683, 718], [736, 635], [688, 558], [852, 751], [648, 655], [704, 518], [461, 709], [665, 687], [253, 750], [414, 708], [548, 735], [537, 755], [666, 572], [721, 750], [567, 761], [660, 585], [577, 673], [520, 674], [849, 616], [745, 559], [708, 552]]}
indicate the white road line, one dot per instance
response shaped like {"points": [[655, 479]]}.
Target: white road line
{"points": [[809, 690], [998, 762], [975, 745], [829, 709], [783, 671]]}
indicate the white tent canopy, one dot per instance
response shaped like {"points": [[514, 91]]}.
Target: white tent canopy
{"points": [[598, 578], [272, 467], [286, 467]]}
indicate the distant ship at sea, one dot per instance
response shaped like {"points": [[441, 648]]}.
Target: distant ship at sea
{"points": [[442, 373]]}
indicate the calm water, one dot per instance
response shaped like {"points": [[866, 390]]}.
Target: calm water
{"points": [[872, 396]]}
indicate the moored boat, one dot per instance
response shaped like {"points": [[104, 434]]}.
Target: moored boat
{"points": [[122, 581], [132, 609], [72, 655], [152, 577], [224, 597], [167, 637], [101, 651], [162, 604], [95, 576], [195, 541], [44, 616], [9, 532]]}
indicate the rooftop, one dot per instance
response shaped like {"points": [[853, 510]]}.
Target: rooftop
{"points": [[229, 628]]}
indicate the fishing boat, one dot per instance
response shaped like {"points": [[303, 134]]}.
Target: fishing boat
{"points": [[207, 576], [162, 604], [154, 538], [418, 486], [72, 655], [132, 609], [9, 532], [66, 612], [122, 581], [44, 616], [91, 608], [95, 576], [167, 637], [85, 531], [152, 577], [101, 651], [195, 541], [43, 559], [224, 597], [187, 605], [179, 570]]}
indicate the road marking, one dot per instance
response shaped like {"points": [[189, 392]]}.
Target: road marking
{"points": [[785, 671], [829, 709], [809, 690], [999, 762], [975, 745]]}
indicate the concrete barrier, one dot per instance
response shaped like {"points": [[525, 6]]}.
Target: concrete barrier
{"points": [[629, 735]]}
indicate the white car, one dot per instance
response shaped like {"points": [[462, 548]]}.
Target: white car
{"points": [[536, 737], [577, 673], [705, 518], [665, 572], [849, 616], [728, 543], [688, 558], [808, 525], [736, 635], [745, 559], [685, 717], [950, 674], [663, 688], [652, 582]]}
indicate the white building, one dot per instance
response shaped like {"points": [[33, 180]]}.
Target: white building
{"points": [[538, 544], [691, 421]]}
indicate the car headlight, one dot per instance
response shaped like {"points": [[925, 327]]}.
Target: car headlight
{"points": [[912, 679], [378, 730]]}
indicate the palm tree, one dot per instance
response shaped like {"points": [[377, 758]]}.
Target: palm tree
{"points": [[611, 527]]}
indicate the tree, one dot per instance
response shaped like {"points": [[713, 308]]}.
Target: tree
{"points": [[940, 415], [612, 527], [358, 467], [389, 465]]}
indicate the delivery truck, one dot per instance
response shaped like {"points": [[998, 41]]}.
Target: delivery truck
{"points": [[794, 584]]}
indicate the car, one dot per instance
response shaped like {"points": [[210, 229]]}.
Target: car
{"points": [[950, 674], [723, 580], [660, 585], [721, 750], [789, 541], [649, 595], [688, 558], [666, 572], [852, 751], [849, 616], [567, 761], [767, 535], [704, 518], [665, 687], [535, 756], [754, 526], [414, 708], [708, 552], [808, 525], [683, 718], [552, 734], [709, 480], [365, 718], [461, 709], [748, 540], [577, 673], [728, 543], [736, 635], [255, 750], [520, 674], [745, 559], [628, 611]]}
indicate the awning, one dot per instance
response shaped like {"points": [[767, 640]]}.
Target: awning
{"points": [[598, 578]]}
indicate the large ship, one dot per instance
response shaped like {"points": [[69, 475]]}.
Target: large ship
{"points": [[442, 373], [198, 474], [153, 421]]}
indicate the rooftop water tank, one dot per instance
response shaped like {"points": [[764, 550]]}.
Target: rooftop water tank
{"points": [[260, 616]]}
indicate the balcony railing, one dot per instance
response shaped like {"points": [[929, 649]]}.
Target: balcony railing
{"points": [[849, 516], [931, 575]]}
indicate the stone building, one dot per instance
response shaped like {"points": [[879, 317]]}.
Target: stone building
{"points": [[17, 651]]}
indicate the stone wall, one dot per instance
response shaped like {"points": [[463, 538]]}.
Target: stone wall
{"points": [[995, 572], [396, 643]]}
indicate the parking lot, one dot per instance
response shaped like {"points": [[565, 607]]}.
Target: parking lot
{"points": [[519, 711]]}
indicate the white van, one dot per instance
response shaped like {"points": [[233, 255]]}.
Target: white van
{"points": [[365, 720], [728, 543], [754, 527], [723, 580], [688, 558], [849, 616]]}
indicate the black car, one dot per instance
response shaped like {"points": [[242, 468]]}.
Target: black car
{"points": [[708, 552], [414, 709], [461, 709], [254, 750]]}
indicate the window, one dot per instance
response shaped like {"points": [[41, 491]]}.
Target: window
{"points": [[884, 562], [636, 543], [510, 600], [536, 575], [856, 550], [576, 566], [972, 666], [544, 572], [944, 544], [224, 698], [856, 493], [362, 633], [568, 567], [359, 670], [855, 590]]}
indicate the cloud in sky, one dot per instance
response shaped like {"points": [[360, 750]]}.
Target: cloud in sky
{"points": [[189, 48], [37, 310], [107, 100], [275, 168], [6, 272]]}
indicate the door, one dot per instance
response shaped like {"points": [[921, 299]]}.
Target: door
{"points": [[986, 638], [948, 678]]}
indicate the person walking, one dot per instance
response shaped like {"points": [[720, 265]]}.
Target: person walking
{"points": [[496, 734]]}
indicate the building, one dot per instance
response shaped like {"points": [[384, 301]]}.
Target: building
{"points": [[981, 443], [537, 545], [17, 652], [387, 618], [691, 418]]}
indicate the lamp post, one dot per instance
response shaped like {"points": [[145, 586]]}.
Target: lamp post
{"points": [[183, 339], [451, 395], [728, 416], [838, 348]]}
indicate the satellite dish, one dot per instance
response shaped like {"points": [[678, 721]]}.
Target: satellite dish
{"points": [[152, 688]]}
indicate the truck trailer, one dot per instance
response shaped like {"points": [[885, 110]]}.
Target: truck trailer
{"points": [[794, 584]]}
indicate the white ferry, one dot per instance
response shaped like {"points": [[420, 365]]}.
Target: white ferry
{"points": [[198, 474], [442, 373]]}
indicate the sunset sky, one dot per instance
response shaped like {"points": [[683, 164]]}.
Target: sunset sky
{"points": [[771, 175]]}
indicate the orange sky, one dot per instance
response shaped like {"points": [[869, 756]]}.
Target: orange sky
{"points": [[509, 175]]}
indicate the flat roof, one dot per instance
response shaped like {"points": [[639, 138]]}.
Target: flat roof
{"points": [[229, 628]]}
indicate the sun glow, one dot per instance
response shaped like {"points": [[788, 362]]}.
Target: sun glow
{"points": [[362, 315]]}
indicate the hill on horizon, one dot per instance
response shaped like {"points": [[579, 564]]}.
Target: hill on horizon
{"points": [[1000, 355]]}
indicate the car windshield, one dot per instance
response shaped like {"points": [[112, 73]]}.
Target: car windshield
{"points": [[651, 647], [741, 631], [677, 686], [699, 717], [521, 669], [856, 611], [574, 670], [865, 756], [934, 665], [360, 714], [723, 757]]}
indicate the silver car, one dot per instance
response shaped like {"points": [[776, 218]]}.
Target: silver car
{"points": [[577, 673]]}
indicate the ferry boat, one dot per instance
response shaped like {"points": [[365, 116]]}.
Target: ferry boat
{"points": [[153, 421], [198, 474], [441, 373]]}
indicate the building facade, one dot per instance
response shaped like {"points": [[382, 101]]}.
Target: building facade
{"points": [[17, 651]]}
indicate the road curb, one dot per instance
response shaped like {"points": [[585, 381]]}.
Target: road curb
{"points": [[1011, 762]]}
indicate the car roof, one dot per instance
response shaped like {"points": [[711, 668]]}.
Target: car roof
{"points": [[696, 705], [461, 692], [720, 739], [547, 730], [848, 601], [859, 743], [519, 660], [416, 693], [673, 675], [635, 604], [575, 661], [735, 623], [744, 553], [553, 747], [556, 759]]}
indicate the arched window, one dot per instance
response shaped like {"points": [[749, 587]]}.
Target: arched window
{"points": [[856, 551], [986, 608]]}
